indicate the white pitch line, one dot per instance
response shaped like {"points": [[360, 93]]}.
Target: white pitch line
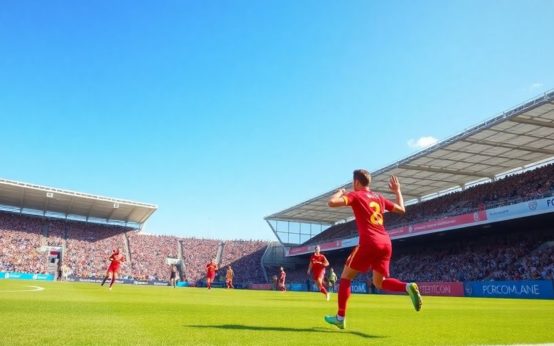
{"points": [[34, 289]]}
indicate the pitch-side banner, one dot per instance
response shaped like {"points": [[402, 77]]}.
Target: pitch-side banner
{"points": [[448, 289], [523, 209], [452, 222], [26, 276], [451, 289], [529, 208], [401, 232], [538, 289]]}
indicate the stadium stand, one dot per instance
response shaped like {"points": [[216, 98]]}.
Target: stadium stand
{"points": [[20, 242], [245, 257], [503, 254], [197, 253], [149, 254], [480, 257], [89, 246], [511, 189], [86, 246]]}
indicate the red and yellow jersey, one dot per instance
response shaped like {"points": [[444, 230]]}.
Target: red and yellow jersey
{"points": [[317, 262], [117, 258], [229, 275], [211, 268], [368, 208]]}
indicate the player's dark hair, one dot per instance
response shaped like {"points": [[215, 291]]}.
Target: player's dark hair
{"points": [[362, 176]]}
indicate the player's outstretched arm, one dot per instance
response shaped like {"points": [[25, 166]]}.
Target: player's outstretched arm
{"points": [[394, 186], [309, 267], [337, 199]]}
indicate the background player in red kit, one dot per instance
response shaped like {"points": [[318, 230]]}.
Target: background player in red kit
{"points": [[374, 250], [211, 268], [115, 263], [282, 278], [318, 262], [229, 277]]}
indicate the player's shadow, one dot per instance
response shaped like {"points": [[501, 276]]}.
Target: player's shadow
{"points": [[285, 329]]}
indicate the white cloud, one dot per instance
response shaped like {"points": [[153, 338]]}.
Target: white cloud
{"points": [[422, 142], [535, 86]]}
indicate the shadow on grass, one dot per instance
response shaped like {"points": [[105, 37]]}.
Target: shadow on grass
{"points": [[285, 329]]}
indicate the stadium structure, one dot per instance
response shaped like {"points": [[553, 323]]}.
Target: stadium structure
{"points": [[25, 198], [46, 232], [479, 207], [448, 189]]}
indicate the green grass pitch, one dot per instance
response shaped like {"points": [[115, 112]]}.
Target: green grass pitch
{"points": [[87, 314]]}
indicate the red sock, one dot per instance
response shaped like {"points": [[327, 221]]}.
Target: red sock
{"points": [[323, 290], [394, 285], [344, 294]]}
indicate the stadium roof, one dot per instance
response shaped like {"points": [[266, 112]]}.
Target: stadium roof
{"points": [[30, 198], [513, 140]]}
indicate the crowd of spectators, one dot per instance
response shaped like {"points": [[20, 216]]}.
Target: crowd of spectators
{"points": [[88, 247], [246, 259], [149, 254], [522, 255], [196, 254], [56, 232], [488, 257], [508, 190], [536, 265], [20, 242]]}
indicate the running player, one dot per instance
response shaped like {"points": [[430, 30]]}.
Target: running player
{"points": [[229, 277], [318, 262], [282, 279], [173, 276], [211, 268], [115, 263], [375, 249]]}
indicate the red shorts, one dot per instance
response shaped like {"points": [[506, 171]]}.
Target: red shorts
{"points": [[375, 257], [211, 276], [113, 268], [317, 275]]}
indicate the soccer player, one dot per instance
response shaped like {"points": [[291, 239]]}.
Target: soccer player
{"points": [[374, 249], [317, 265], [115, 263], [211, 268], [282, 278], [174, 276], [332, 279], [229, 275]]}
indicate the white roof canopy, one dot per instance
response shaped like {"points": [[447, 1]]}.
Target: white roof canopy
{"points": [[64, 203], [512, 140]]}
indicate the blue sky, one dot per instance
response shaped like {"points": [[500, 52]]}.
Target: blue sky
{"points": [[223, 112]]}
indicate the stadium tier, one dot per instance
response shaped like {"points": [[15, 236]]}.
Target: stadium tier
{"points": [[534, 184], [26, 242]]}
